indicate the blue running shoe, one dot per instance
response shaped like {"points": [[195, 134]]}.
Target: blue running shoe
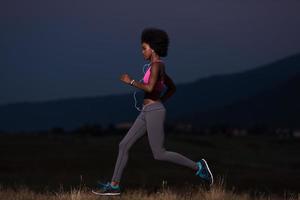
{"points": [[107, 190], [204, 172]]}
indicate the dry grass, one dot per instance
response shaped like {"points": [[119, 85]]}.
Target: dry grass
{"points": [[250, 165], [217, 192]]}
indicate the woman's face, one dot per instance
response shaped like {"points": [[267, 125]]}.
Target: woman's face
{"points": [[146, 50]]}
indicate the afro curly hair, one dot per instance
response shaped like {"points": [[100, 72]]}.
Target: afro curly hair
{"points": [[157, 39]]}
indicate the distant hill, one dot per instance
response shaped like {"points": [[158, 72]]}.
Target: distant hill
{"points": [[67, 114], [209, 95], [220, 90], [278, 107]]}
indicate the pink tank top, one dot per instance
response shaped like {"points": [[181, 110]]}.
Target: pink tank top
{"points": [[159, 86]]}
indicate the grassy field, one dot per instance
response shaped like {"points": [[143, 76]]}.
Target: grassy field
{"points": [[247, 166], [164, 193]]}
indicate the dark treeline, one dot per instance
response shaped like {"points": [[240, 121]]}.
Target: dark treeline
{"points": [[170, 129]]}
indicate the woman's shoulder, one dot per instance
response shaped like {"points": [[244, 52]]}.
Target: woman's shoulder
{"points": [[159, 68], [158, 65]]}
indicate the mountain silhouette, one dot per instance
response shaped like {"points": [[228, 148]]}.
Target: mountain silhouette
{"points": [[220, 90], [199, 101], [274, 108]]}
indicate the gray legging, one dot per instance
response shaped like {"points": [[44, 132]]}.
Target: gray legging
{"points": [[151, 118]]}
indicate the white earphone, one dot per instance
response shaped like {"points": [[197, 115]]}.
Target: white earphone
{"points": [[135, 100], [144, 71]]}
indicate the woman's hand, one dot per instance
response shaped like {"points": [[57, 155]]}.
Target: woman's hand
{"points": [[125, 78]]}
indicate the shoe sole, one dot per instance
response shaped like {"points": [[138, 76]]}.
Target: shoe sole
{"points": [[206, 165], [106, 194]]}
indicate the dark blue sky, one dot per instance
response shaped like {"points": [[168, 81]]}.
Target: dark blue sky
{"points": [[60, 49]]}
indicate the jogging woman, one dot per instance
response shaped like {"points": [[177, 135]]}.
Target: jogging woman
{"points": [[155, 43]]}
